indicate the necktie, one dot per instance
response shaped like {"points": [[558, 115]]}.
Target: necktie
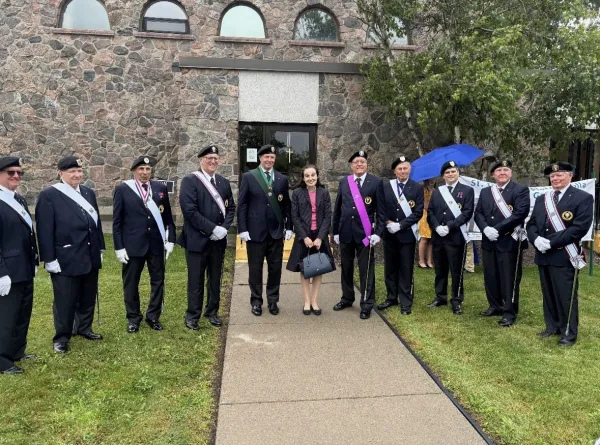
{"points": [[145, 186], [400, 188], [501, 189], [358, 180], [556, 195], [450, 189], [212, 181], [268, 177]]}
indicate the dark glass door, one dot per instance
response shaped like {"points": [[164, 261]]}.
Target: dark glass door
{"points": [[295, 144]]}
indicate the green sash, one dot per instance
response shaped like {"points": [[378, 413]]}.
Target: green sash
{"points": [[270, 196]]}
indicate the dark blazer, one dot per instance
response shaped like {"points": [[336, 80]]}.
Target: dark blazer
{"points": [[302, 213], [255, 214], [134, 227], [439, 214], [346, 222], [391, 210], [67, 233], [581, 206], [201, 214], [487, 214], [18, 248]]}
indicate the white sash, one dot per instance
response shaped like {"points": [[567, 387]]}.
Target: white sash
{"points": [[212, 190], [151, 205], [405, 207], [453, 206], [12, 202], [70, 192], [557, 223], [506, 211]]}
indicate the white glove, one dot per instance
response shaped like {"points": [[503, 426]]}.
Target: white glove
{"points": [[4, 285], [219, 233], [101, 257], [122, 256], [442, 230], [374, 239], [288, 235], [168, 249], [53, 266], [336, 239], [542, 244], [35, 271], [491, 233], [245, 236], [393, 227]]}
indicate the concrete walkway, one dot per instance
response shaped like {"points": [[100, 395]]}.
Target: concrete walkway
{"points": [[333, 379]]}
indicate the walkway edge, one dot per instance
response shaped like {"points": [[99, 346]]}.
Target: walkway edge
{"points": [[438, 382]]}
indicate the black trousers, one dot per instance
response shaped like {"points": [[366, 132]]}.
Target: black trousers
{"points": [[74, 303], [348, 251], [131, 273], [210, 264], [502, 277], [15, 313], [449, 258], [557, 285], [272, 250], [399, 261]]}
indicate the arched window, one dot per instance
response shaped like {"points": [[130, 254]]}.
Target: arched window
{"points": [[372, 36], [242, 21], [165, 16], [316, 24], [84, 14]]}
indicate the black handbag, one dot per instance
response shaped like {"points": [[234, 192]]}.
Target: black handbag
{"points": [[316, 264]]}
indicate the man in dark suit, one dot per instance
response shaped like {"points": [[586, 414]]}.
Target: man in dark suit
{"points": [[560, 219], [71, 244], [358, 225], [401, 207], [208, 210], [143, 233], [18, 266], [500, 215], [263, 222], [450, 209]]}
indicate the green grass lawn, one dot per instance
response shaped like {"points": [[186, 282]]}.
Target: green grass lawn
{"points": [[145, 388], [521, 389]]}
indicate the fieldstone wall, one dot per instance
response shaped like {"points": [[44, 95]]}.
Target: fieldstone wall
{"points": [[112, 96]]}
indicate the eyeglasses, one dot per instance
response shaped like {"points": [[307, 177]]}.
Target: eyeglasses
{"points": [[212, 159], [359, 162], [12, 173]]}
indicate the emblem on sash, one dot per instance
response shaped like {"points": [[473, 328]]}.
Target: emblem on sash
{"points": [[567, 216], [280, 198], [411, 203], [226, 203], [459, 205], [510, 208], [555, 168], [368, 200], [161, 208]]}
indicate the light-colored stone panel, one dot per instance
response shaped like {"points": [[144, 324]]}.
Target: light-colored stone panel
{"points": [[279, 97]]}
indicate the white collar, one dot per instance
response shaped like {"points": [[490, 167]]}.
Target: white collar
{"points": [[503, 187], [208, 176], [362, 178], [265, 171], [8, 191], [401, 182], [452, 185], [563, 190]]}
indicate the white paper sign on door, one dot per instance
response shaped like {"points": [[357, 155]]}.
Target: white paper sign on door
{"points": [[251, 155]]}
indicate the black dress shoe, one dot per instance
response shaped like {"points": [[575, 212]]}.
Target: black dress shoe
{"points": [[546, 334], [154, 324], [133, 328], [257, 310], [364, 314], [193, 325], [386, 304], [490, 312], [61, 347], [215, 321], [437, 302], [91, 336], [13, 370], [27, 357], [315, 311], [565, 342], [405, 311], [307, 311], [457, 309], [273, 309], [341, 305], [505, 323]]}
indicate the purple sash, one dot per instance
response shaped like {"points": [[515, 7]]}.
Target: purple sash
{"points": [[360, 206]]}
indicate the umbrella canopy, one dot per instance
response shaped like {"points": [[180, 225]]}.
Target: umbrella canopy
{"points": [[428, 166]]}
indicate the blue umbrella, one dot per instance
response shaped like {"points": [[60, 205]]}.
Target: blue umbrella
{"points": [[429, 166]]}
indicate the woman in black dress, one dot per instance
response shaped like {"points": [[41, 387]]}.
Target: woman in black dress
{"points": [[311, 216]]}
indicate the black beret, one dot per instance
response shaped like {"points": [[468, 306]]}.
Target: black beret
{"points": [[69, 162], [9, 161], [358, 154], [447, 165], [142, 160], [265, 149], [399, 160], [498, 164], [208, 150], [559, 166]]}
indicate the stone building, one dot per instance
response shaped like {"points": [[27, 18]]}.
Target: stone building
{"points": [[112, 80]]}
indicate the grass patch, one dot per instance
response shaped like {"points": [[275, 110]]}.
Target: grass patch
{"points": [[521, 389], [150, 387]]}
